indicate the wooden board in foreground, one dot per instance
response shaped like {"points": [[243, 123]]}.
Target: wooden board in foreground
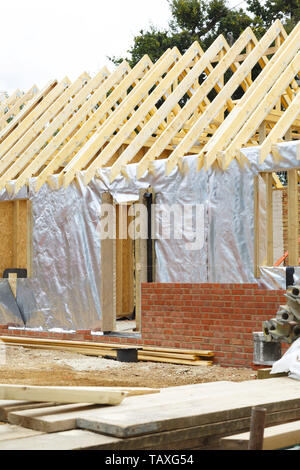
{"points": [[275, 437], [96, 395]]}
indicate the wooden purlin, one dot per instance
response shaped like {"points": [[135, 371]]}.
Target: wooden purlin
{"points": [[248, 103], [120, 115], [221, 99], [211, 81], [99, 116]]}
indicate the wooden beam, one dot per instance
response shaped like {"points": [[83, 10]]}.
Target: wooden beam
{"points": [[254, 94], [97, 395], [108, 278], [16, 109], [220, 100], [183, 87], [268, 177], [293, 218], [16, 234], [210, 82], [82, 90], [14, 126], [120, 115], [256, 228], [99, 117], [280, 128], [279, 81], [75, 121], [140, 113], [28, 127]]}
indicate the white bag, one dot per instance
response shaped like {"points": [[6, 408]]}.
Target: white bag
{"points": [[289, 362]]}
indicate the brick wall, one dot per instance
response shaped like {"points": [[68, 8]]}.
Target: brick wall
{"points": [[218, 317]]}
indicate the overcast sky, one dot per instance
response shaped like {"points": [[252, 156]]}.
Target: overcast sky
{"points": [[44, 40]]}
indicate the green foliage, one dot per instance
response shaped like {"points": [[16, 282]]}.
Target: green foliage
{"points": [[204, 20]]}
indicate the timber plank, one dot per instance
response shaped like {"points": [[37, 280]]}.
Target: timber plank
{"points": [[75, 439], [10, 432], [7, 407], [97, 395], [234, 404], [193, 436], [275, 437], [52, 419]]}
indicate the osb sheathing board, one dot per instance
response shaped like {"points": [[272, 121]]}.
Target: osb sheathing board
{"points": [[13, 235], [125, 267]]}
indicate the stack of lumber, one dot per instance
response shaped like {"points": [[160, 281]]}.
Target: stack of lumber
{"points": [[145, 353], [190, 417]]}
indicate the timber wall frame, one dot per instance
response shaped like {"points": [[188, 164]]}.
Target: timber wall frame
{"points": [[181, 105]]}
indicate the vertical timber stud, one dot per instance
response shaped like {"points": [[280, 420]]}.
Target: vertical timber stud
{"points": [[269, 207], [140, 249], [262, 136], [108, 281], [293, 245], [257, 427], [256, 227], [16, 234], [29, 238]]}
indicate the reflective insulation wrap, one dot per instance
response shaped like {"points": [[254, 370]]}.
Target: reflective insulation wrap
{"points": [[64, 289]]}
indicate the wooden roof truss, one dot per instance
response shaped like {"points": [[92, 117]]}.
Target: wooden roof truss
{"points": [[181, 105]]}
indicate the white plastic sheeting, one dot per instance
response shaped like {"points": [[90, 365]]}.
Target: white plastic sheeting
{"points": [[289, 362]]}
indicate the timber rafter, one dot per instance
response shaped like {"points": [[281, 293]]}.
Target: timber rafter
{"points": [[209, 103]]}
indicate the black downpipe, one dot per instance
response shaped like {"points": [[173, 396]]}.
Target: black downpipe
{"points": [[149, 200]]}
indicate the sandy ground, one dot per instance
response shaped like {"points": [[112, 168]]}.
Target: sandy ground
{"points": [[21, 365]]}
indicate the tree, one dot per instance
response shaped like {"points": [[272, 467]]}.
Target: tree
{"points": [[192, 20], [288, 11], [204, 20]]}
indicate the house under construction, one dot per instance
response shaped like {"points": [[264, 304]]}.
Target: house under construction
{"points": [[216, 129]]}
